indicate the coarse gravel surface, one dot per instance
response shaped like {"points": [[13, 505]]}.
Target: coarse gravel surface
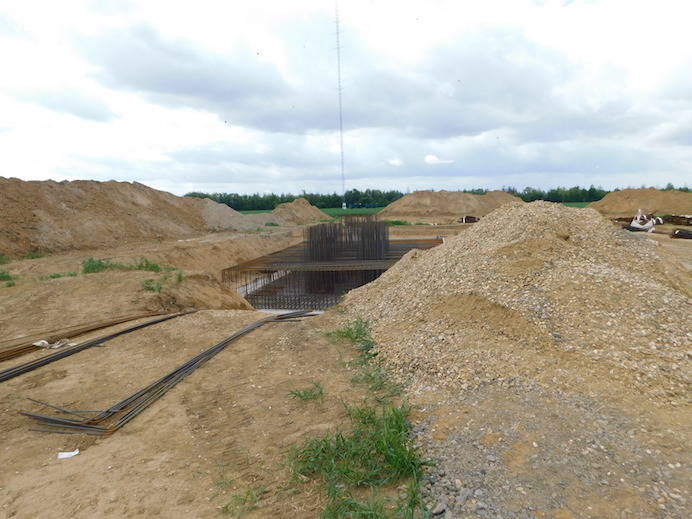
{"points": [[547, 354]]}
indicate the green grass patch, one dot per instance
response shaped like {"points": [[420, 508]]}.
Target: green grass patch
{"points": [[331, 211], [576, 204], [313, 392], [243, 502], [56, 275], [10, 284], [224, 482], [179, 276], [5, 276], [154, 285], [394, 223], [271, 224], [34, 255], [358, 334], [256, 211], [335, 212], [376, 379], [377, 451], [4, 259], [91, 266], [145, 264]]}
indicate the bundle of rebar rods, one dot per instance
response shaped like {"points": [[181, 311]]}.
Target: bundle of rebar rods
{"points": [[12, 348], [681, 233], [15, 371], [110, 420]]}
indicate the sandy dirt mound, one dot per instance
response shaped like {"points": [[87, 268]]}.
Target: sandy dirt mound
{"points": [[37, 303], [52, 216], [568, 281], [445, 205], [31, 308], [627, 202], [299, 212]]}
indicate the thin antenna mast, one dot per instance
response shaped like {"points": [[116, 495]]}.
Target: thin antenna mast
{"points": [[341, 114]]}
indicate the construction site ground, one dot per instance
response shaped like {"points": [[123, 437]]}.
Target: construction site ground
{"points": [[589, 448]]}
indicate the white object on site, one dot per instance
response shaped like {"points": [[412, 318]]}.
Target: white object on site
{"points": [[64, 455], [641, 221], [49, 346]]}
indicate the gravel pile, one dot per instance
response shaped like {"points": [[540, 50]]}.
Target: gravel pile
{"points": [[530, 279]]}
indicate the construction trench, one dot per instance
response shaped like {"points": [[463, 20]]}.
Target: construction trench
{"points": [[332, 259], [313, 275]]}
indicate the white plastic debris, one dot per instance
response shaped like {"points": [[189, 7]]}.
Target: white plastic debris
{"points": [[58, 344], [64, 455]]}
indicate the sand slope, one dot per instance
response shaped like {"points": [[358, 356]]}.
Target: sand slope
{"points": [[48, 215], [626, 202], [445, 205], [300, 211]]}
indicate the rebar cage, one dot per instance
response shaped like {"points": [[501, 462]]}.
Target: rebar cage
{"points": [[333, 259]]}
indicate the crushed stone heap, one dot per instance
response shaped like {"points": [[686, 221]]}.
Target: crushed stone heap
{"points": [[537, 292]]}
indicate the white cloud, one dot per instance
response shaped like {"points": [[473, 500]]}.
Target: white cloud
{"points": [[513, 91], [434, 159]]}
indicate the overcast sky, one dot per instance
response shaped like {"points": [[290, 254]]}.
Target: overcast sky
{"points": [[241, 96]]}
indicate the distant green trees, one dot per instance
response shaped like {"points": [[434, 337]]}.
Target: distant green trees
{"points": [[378, 198]]}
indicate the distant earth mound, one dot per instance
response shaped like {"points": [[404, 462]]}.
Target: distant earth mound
{"points": [[627, 202], [299, 212], [53, 216], [445, 206]]}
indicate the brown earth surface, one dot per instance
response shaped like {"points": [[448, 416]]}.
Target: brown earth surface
{"points": [[444, 206], [547, 362], [299, 212], [48, 216], [627, 202], [224, 430], [36, 304]]}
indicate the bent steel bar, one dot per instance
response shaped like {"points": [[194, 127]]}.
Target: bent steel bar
{"points": [[111, 419], [7, 374]]}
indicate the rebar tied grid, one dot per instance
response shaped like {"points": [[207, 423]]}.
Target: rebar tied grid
{"points": [[333, 259]]}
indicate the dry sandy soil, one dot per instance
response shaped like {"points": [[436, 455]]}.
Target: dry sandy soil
{"points": [[34, 304], [222, 431], [627, 202], [523, 414], [50, 216], [443, 207]]}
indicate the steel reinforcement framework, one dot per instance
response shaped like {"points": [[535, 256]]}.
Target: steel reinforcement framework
{"points": [[333, 259]]}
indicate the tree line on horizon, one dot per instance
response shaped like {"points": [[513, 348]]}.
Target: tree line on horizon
{"points": [[378, 198]]}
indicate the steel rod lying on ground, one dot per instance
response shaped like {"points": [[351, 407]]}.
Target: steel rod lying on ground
{"points": [[12, 348], [7, 374], [111, 419]]}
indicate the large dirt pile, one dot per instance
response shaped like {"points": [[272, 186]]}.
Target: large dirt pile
{"points": [[530, 292], [445, 205], [48, 215], [299, 212], [627, 202]]}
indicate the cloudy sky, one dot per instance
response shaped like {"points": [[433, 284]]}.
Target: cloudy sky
{"points": [[241, 96]]}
